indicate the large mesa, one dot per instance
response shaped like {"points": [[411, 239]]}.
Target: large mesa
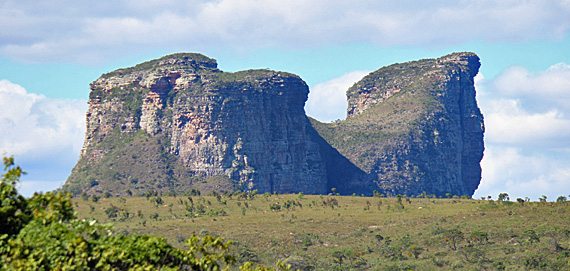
{"points": [[178, 123], [414, 128]]}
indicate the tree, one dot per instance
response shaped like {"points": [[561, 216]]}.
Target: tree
{"points": [[251, 195], [399, 201], [472, 254], [503, 197], [112, 212], [13, 211], [452, 238]]}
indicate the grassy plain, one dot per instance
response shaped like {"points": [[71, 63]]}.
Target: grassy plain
{"points": [[355, 233]]}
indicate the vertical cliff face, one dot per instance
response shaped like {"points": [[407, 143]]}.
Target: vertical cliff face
{"points": [[179, 123], [252, 130], [414, 128]]}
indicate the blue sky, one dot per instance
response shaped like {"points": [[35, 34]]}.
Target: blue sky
{"points": [[51, 50]]}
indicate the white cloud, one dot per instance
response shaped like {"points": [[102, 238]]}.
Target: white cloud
{"points": [[507, 122], [327, 101], [522, 107], [45, 135], [82, 31], [527, 121], [522, 173], [550, 87]]}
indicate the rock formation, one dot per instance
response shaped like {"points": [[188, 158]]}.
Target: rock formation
{"points": [[414, 128], [178, 123]]}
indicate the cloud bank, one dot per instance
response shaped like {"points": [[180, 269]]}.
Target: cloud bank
{"points": [[45, 135], [527, 119], [84, 32]]}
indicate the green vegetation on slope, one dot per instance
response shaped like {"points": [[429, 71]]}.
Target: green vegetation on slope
{"points": [[355, 233], [304, 231], [121, 161], [196, 60], [362, 137]]}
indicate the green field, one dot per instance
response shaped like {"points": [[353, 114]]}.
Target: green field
{"points": [[355, 233]]}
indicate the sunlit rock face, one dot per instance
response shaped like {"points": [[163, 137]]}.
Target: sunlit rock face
{"points": [[178, 123]]}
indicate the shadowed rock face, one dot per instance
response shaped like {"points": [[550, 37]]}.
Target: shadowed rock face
{"points": [[178, 123], [414, 127]]}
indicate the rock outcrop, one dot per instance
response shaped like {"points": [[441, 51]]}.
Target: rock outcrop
{"points": [[414, 128], [179, 123]]}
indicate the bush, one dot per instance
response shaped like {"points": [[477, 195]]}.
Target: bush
{"points": [[112, 212], [478, 237], [298, 263], [274, 207], [531, 236], [452, 238]]}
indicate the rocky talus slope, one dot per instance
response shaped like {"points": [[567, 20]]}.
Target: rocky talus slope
{"points": [[178, 123]]}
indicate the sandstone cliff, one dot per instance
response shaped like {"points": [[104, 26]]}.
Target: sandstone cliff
{"points": [[414, 128], [179, 123]]}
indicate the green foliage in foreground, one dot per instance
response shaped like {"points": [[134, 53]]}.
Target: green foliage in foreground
{"points": [[43, 233]]}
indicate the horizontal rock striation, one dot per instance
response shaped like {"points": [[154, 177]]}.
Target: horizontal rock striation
{"points": [[179, 123], [247, 130]]}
